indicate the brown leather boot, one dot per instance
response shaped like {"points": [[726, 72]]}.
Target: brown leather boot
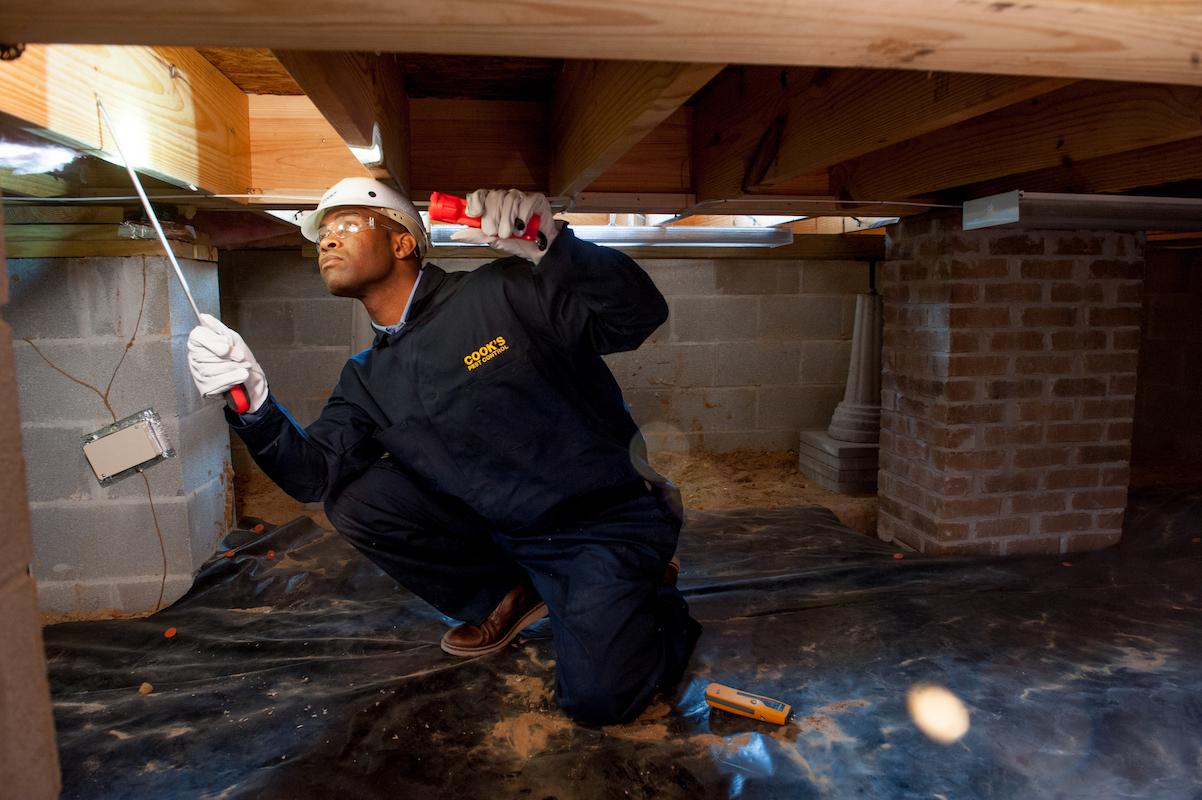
{"points": [[518, 609]]}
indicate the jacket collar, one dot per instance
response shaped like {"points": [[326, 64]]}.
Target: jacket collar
{"points": [[432, 278]]}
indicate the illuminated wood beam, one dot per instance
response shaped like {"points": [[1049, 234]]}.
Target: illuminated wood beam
{"points": [[1149, 40], [179, 119], [603, 108], [363, 97]]}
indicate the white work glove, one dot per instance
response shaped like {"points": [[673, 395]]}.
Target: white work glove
{"points": [[219, 360], [499, 212]]}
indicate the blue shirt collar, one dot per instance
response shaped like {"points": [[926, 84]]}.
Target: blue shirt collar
{"points": [[404, 314]]}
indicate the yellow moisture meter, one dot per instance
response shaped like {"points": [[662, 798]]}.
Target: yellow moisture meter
{"points": [[746, 704]]}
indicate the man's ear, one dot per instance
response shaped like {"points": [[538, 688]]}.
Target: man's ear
{"points": [[403, 245]]}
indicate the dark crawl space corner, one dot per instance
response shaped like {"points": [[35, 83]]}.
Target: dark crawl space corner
{"points": [[298, 670]]}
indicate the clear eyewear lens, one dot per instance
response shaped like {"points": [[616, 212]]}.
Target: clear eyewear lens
{"points": [[345, 227]]}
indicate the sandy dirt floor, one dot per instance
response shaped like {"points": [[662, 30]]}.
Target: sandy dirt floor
{"points": [[709, 481]]}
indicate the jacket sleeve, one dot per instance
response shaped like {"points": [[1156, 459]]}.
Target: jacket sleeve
{"points": [[594, 297], [310, 463]]}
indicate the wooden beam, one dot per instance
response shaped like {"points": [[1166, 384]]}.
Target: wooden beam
{"points": [[179, 119], [759, 128], [603, 108], [1084, 121], [1149, 166], [294, 149], [76, 241], [20, 213], [363, 97], [1150, 40], [660, 162]]}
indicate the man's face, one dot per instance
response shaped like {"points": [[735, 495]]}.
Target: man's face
{"points": [[350, 266]]}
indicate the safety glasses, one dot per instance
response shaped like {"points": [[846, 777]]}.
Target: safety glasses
{"points": [[349, 225]]}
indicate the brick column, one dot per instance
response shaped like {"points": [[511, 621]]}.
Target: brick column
{"points": [[28, 758], [1008, 387]]}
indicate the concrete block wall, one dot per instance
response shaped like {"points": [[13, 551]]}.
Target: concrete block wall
{"points": [[97, 339], [1170, 372], [754, 350], [1008, 387], [28, 757]]}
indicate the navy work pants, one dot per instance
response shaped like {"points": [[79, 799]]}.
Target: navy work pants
{"points": [[619, 634]]}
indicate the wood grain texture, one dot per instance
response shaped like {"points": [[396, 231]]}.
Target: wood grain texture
{"points": [[360, 94], [760, 128], [603, 108], [1084, 121], [659, 162], [1152, 41], [294, 147], [179, 119], [254, 70]]}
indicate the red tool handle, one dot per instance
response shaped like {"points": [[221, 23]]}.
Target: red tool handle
{"points": [[449, 208], [238, 399]]}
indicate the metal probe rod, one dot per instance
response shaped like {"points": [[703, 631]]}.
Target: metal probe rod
{"points": [[179, 273]]}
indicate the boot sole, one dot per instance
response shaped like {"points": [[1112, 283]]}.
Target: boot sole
{"points": [[526, 620]]}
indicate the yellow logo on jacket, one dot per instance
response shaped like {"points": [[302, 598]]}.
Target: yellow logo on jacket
{"points": [[486, 353]]}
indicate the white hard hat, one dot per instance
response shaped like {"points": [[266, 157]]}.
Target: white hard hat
{"points": [[369, 193]]}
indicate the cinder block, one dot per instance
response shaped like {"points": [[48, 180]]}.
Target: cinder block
{"points": [[801, 317], [209, 519], [265, 324], [714, 319], [203, 447], [825, 361], [28, 757], [664, 365], [48, 396], [649, 406], [680, 277], [323, 322], [757, 363], [269, 273], [717, 409], [726, 441], [834, 277], [55, 466], [146, 379], [296, 374], [142, 594], [188, 399], [98, 540], [77, 596], [796, 407], [202, 280], [775, 276], [40, 299]]}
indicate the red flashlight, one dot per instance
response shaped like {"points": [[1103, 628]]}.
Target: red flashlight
{"points": [[449, 208]]}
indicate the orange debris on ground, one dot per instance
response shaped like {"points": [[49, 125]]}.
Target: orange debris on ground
{"points": [[271, 555], [259, 528], [170, 632], [229, 553]]}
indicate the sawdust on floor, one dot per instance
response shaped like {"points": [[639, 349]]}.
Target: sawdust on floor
{"points": [[709, 482]]}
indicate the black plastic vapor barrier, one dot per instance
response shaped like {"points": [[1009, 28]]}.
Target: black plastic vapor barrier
{"points": [[312, 675]]}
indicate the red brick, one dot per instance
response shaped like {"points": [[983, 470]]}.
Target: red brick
{"points": [[1065, 523], [1079, 387], [1078, 340], [1010, 482], [957, 486], [979, 317], [1050, 410], [1122, 409], [965, 342], [962, 293], [895, 293], [1030, 503], [1069, 245], [1021, 545], [1004, 390], [1119, 432], [968, 548], [1076, 432], [1120, 385], [977, 366], [1132, 292], [1116, 476], [965, 413], [978, 268], [974, 507], [1100, 454], [1013, 434], [1047, 269], [1110, 268], [1099, 499], [1055, 316], [1057, 365], [1018, 245], [1111, 362], [1109, 519], [1084, 542], [1125, 339], [979, 459], [1075, 478], [1016, 340], [1076, 293], [1013, 292], [947, 531], [1042, 456], [1114, 317], [1003, 526]]}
